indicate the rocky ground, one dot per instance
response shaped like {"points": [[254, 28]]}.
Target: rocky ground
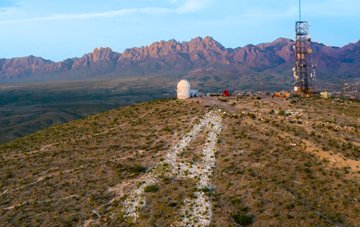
{"points": [[206, 161]]}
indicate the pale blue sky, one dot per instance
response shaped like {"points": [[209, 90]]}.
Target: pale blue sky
{"points": [[59, 29]]}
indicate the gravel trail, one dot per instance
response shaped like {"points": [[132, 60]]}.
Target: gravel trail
{"points": [[197, 210]]}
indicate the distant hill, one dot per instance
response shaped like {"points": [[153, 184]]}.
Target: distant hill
{"points": [[198, 57], [187, 163]]}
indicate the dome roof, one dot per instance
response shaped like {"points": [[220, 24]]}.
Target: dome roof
{"points": [[183, 89], [183, 84]]}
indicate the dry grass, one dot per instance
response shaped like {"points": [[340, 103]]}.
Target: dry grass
{"points": [[85, 158], [264, 173]]}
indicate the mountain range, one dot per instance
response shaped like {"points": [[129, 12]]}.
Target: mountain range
{"points": [[199, 56]]}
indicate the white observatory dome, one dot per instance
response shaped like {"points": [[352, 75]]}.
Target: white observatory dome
{"points": [[183, 89]]}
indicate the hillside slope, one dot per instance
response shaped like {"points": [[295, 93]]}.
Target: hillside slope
{"points": [[262, 161]]}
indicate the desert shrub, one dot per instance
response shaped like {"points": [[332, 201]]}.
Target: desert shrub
{"points": [[151, 188], [243, 219], [236, 200], [167, 129], [137, 169], [9, 174], [252, 115], [282, 112], [207, 190]]}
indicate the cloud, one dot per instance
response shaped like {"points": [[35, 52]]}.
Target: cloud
{"points": [[85, 16], [186, 6], [190, 6]]}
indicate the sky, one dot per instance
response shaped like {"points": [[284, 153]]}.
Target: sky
{"points": [[60, 29]]}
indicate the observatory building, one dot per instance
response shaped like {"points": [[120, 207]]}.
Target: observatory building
{"points": [[184, 90]]}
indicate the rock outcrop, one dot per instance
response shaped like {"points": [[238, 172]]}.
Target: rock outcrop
{"points": [[196, 56]]}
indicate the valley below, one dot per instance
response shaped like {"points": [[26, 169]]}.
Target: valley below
{"points": [[27, 108], [36, 93]]}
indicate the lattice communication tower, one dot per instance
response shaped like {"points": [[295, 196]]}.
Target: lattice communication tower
{"points": [[304, 71]]}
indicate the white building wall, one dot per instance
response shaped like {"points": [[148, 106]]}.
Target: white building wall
{"points": [[194, 93], [183, 90]]}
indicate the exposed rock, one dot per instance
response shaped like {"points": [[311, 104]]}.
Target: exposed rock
{"points": [[103, 56], [195, 56]]}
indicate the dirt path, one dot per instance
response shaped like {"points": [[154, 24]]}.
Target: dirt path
{"points": [[40, 179], [334, 159], [196, 210], [200, 205], [215, 102], [40, 201]]}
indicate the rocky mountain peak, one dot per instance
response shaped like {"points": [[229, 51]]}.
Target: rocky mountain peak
{"points": [[102, 50], [205, 44], [19, 67], [103, 54], [98, 55], [199, 54], [282, 41]]}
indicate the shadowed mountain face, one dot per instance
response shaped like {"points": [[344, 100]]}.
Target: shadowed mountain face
{"points": [[200, 56]]}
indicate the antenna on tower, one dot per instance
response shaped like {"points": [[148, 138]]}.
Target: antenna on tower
{"points": [[299, 10], [304, 71]]}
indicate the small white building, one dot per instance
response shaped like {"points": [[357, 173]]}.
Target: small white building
{"points": [[183, 89], [194, 93], [325, 95]]}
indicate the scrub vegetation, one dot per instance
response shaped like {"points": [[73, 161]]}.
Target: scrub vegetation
{"points": [[292, 162]]}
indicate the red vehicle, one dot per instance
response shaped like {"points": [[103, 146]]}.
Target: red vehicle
{"points": [[226, 93]]}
